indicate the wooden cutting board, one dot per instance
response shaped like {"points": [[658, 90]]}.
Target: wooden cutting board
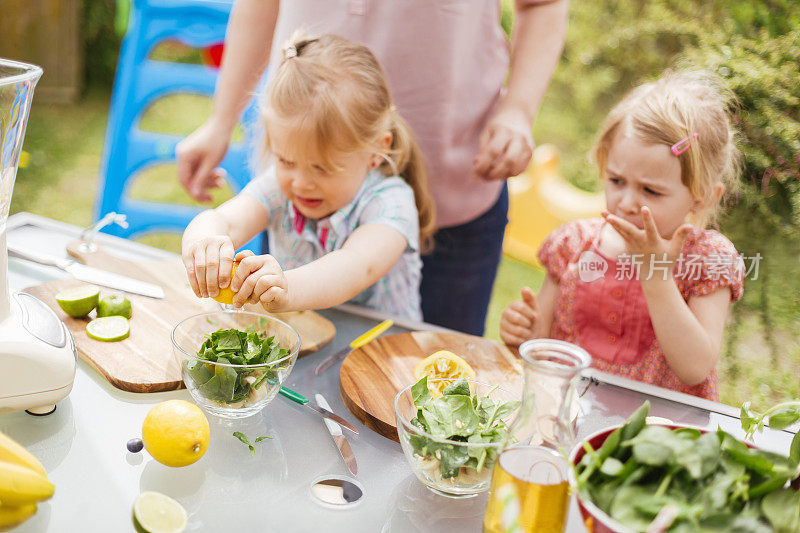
{"points": [[372, 375], [144, 362]]}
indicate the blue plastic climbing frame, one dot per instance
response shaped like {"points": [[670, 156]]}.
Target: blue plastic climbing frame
{"points": [[139, 82]]}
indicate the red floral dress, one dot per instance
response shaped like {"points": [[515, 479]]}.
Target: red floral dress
{"points": [[601, 306]]}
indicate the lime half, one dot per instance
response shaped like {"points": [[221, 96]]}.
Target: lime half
{"points": [[78, 301], [158, 513], [109, 328], [114, 305]]}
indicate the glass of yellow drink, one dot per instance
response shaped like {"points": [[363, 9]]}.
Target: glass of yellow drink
{"points": [[529, 492]]}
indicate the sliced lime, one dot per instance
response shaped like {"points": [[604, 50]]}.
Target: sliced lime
{"points": [[158, 513], [109, 328], [114, 305], [78, 301]]}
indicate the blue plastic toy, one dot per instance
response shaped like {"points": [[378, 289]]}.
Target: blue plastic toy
{"points": [[139, 82]]}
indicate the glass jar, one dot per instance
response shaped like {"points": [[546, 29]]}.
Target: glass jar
{"points": [[549, 408]]}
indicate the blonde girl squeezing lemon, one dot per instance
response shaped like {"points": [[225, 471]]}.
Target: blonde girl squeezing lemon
{"points": [[646, 288], [344, 194]]}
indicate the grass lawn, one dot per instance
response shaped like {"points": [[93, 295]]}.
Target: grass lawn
{"points": [[761, 358]]}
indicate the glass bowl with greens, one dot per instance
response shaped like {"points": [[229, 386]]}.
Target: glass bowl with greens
{"points": [[234, 362], [452, 441]]}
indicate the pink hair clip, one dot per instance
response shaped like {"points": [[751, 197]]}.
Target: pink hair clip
{"points": [[681, 146]]}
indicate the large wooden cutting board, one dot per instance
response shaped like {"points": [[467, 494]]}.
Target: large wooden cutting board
{"points": [[372, 375], [144, 362]]}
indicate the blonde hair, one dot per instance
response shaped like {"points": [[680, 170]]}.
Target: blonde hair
{"points": [[333, 95], [678, 105]]}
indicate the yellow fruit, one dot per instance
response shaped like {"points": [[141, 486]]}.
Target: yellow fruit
{"points": [[175, 433], [158, 513], [10, 515], [20, 485], [443, 365], [12, 452], [225, 295]]}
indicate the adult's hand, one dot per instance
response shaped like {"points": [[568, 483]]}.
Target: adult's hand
{"points": [[505, 146], [198, 156]]}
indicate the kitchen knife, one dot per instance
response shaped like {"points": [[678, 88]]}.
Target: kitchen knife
{"points": [[90, 274], [357, 343], [302, 400], [341, 442]]}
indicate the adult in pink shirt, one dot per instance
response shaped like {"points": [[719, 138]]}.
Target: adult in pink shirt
{"points": [[447, 62]]}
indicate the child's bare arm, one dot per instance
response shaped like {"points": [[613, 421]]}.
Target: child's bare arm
{"points": [[690, 334], [212, 237], [367, 255]]}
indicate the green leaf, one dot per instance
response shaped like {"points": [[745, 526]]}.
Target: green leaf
{"points": [[452, 458], [621, 508], [794, 450], [420, 393], [752, 460], [784, 418], [748, 418], [228, 341], [453, 415], [612, 467], [259, 439], [266, 373], [501, 410], [636, 422], [782, 509], [610, 445], [699, 457], [771, 484], [227, 380], [198, 372], [242, 437], [458, 387], [653, 446]]}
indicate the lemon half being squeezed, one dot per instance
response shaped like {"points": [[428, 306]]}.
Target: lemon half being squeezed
{"points": [[443, 365], [225, 295]]}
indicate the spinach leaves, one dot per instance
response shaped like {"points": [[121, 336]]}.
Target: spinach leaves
{"points": [[458, 416], [716, 482], [231, 385]]}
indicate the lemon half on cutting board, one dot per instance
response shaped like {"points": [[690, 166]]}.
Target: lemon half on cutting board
{"points": [[443, 365]]}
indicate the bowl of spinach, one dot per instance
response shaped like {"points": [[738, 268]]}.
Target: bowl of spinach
{"points": [[698, 479], [452, 441], [234, 362]]}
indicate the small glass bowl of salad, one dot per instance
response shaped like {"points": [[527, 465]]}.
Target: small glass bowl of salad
{"points": [[452, 441], [234, 362]]}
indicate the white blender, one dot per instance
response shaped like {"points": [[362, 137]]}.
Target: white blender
{"points": [[37, 352]]}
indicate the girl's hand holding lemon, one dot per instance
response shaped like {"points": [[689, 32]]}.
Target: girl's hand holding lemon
{"points": [[259, 279], [209, 265]]}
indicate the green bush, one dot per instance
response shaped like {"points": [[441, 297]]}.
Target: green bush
{"points": [[764, 73], [612, 46], [100, 42]]}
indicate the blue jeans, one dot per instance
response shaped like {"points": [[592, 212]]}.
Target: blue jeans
{"points": [[458, 276]]}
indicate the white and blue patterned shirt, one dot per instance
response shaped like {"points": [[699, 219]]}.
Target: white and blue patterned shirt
{"points": [[295, 240]]}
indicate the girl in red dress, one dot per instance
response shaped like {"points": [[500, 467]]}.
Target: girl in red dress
{"points": [[646, 288]]}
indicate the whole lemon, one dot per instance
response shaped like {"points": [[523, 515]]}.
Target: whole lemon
{"points": [[225, 295], [176, 433]]}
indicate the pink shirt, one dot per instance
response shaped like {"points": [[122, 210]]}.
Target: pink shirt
{"points": [[608, 316], [446, 62]]}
